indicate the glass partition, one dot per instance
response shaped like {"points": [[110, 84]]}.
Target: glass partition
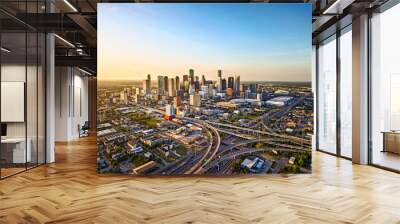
{"points": [[13, 94], [31, 98], [346, 93], [22, 88], [327, 95]]}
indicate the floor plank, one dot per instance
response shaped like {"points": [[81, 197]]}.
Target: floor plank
{"points": [[71, 191]]}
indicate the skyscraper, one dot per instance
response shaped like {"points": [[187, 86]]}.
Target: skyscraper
{"points": [[191, 76], [177, 83], [166, 89], [171, 87], [196, 83], [237, 85], [147, 85], [231, 82], [253, 87], [219, 81], [161, 85], [203, 80], [185, 82], [223, 85]]}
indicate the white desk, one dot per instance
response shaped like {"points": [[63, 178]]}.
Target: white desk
{"points": [[18, 149]]}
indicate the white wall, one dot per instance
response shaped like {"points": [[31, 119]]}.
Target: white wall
{"points": [[71, 103]]}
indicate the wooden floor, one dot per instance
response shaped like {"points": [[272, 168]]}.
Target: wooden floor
{"points": [[70, 191]]}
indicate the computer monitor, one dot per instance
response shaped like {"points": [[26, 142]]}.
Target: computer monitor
{"points": [[3, 130]]}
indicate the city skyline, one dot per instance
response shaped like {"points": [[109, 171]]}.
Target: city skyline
{"points": [[225, 75], [207, 39]]}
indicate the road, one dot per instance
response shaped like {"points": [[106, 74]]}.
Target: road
{"points": [[240, 152], [284, 110], [201, 163], [269, 141], [212, 149], [294, 139]]}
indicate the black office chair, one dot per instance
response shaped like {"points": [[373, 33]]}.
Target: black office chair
{"points": [[84, 130]]}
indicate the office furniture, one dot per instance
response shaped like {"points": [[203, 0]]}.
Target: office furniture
{"points": [[13, 150], [84, 130], [391, 141]]}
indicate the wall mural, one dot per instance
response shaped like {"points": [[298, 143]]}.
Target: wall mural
{"points": [[204, 89]]}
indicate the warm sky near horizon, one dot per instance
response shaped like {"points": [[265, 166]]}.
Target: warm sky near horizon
{"points": [[258, 41]]}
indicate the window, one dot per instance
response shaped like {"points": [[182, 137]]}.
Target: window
{"points": [[327, 95], [385, 89], [346, 93]]}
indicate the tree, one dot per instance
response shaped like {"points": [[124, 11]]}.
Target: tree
{"points": [[259, 145]]}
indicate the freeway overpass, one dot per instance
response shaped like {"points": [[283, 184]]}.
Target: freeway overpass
{"points": [[249, 130], [243, 151], [269, 141]]}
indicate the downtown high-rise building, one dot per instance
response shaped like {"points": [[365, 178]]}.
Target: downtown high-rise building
{"points": [[161, 85], [203, 80], [177, 83], [231, 82], [253, 87], [191, 76], [237, 85], [219, 81], [196, 83], [185, 82], [171, 87], [147, 85], [166, 85], [223, 85]]}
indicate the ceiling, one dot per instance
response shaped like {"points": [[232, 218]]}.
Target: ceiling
{"points": [[75, 22]]}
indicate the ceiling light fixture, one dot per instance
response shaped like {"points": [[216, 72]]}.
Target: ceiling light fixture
{"points": [[5, 50], [337, 7], [84, 71], [64, 40], [70, 5]]}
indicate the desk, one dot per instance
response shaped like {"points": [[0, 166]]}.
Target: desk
{"points": [[391, 141], [13, 150]]}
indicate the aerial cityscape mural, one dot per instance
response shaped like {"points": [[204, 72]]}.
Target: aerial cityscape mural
{"points": [[204, 89]]}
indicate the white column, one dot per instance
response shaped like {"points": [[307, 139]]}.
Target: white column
{"points": [[360, 90], [50, 98]]}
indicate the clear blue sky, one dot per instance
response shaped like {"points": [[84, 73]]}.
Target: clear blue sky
{"points": [[265, 42]]}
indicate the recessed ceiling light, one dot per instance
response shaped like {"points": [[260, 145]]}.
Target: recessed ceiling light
{"points": [[5, 50], [64, 40], [70, 5], [84, 71]]}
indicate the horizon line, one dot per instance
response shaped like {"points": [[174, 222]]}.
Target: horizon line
{"points": [[155, 80]]}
